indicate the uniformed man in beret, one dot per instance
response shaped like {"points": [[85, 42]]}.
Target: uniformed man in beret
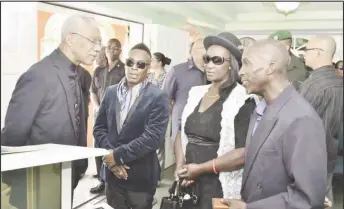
{"points": [[296, 71]]}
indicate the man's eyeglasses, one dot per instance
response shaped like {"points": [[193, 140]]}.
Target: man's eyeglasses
{"points": [[95, 43], [139, 64], [310, 49]]}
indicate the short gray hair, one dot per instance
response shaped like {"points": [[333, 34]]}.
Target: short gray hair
{"points": [[72, 24]]}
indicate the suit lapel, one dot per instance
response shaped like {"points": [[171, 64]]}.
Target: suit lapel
{"points": [[118, 115], [265, 126], [63, 76], [253, 119]]}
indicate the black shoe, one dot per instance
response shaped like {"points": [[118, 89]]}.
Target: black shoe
{"points": [[95, 176], [98, 189]]}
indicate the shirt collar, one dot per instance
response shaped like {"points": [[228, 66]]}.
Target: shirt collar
{"points": [[65, 59], [118, 65], [261, 107], [192, 65], [324, 68]]}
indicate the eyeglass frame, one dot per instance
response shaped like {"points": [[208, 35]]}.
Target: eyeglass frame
{"points": [[95, 43], [310, 49]]}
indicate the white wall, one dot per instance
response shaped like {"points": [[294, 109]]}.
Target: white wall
{"points": [[18, 45], [173, 43]]}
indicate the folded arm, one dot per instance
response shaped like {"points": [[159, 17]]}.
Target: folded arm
{"points": [[304, 155], [152, 137]]}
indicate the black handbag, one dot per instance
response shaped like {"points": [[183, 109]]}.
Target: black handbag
{"points": [[180, 197]]}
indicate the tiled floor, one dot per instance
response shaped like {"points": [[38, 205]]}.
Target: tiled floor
{"points": [[83, 195]]}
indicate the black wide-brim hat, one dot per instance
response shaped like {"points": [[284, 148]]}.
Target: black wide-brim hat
{"points": [[228, 41]]}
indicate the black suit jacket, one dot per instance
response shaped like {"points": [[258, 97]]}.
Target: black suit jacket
{"points": [[135, 145], [85, 82], [41, 109]]}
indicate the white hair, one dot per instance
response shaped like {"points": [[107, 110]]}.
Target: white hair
{"points": [[73, 24]]}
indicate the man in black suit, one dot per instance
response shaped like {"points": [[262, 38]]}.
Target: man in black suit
{"points": [[47, 104], [131, 124], [85, 83]]}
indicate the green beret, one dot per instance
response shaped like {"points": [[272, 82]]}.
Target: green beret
{"points": [[281, 35], [301, 42]]}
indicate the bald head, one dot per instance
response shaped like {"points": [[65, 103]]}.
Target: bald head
{"points": [[272, 51], [320, 51], [326, 43], [77, 24], [197, 51], [264, 66], [196, 44]]}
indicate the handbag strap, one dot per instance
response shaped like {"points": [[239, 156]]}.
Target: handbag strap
{"points": [[175, 189]]}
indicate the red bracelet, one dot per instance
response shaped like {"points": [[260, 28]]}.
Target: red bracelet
{"points": [[214, 167]]}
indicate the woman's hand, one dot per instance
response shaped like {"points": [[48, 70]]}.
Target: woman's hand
{"points": [[190, 171], [327, 203]]}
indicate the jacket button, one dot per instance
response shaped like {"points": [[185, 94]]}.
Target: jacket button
{"points": [[259, 186]]}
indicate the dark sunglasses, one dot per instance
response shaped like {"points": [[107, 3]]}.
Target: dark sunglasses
{"points": [[340, 68], [217, 60], [139, 64]]}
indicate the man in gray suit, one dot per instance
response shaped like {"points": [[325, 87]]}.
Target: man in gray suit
{"points": [[47, 104], [285, 153]]}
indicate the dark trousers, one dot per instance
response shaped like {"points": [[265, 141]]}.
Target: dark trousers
{"points": [[99, 163], [120, 198]]}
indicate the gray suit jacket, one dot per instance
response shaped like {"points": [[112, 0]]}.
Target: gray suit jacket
{"points": [[41, 109], [285, 160]]}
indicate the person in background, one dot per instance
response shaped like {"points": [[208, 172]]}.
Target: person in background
{"points": [[85, 82], [109, 72], [157, 72], [101, 60], [181, 78], [324, 91], [296, 71], [156, 76], [215, 121], [47, 103], [131, 124], [339, 68]]}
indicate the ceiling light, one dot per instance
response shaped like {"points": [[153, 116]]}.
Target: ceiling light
{"points": [[287, 7]]}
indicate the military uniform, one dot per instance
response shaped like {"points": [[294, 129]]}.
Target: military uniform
{"points": [[297, 70]]}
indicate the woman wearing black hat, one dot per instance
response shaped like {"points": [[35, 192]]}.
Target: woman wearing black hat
{"points": [[215, 120]]}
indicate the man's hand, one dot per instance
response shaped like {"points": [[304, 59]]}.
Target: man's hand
{"points": [[109, 159], [327, 203], [120, 171], [234, 204], [190, 171]]}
